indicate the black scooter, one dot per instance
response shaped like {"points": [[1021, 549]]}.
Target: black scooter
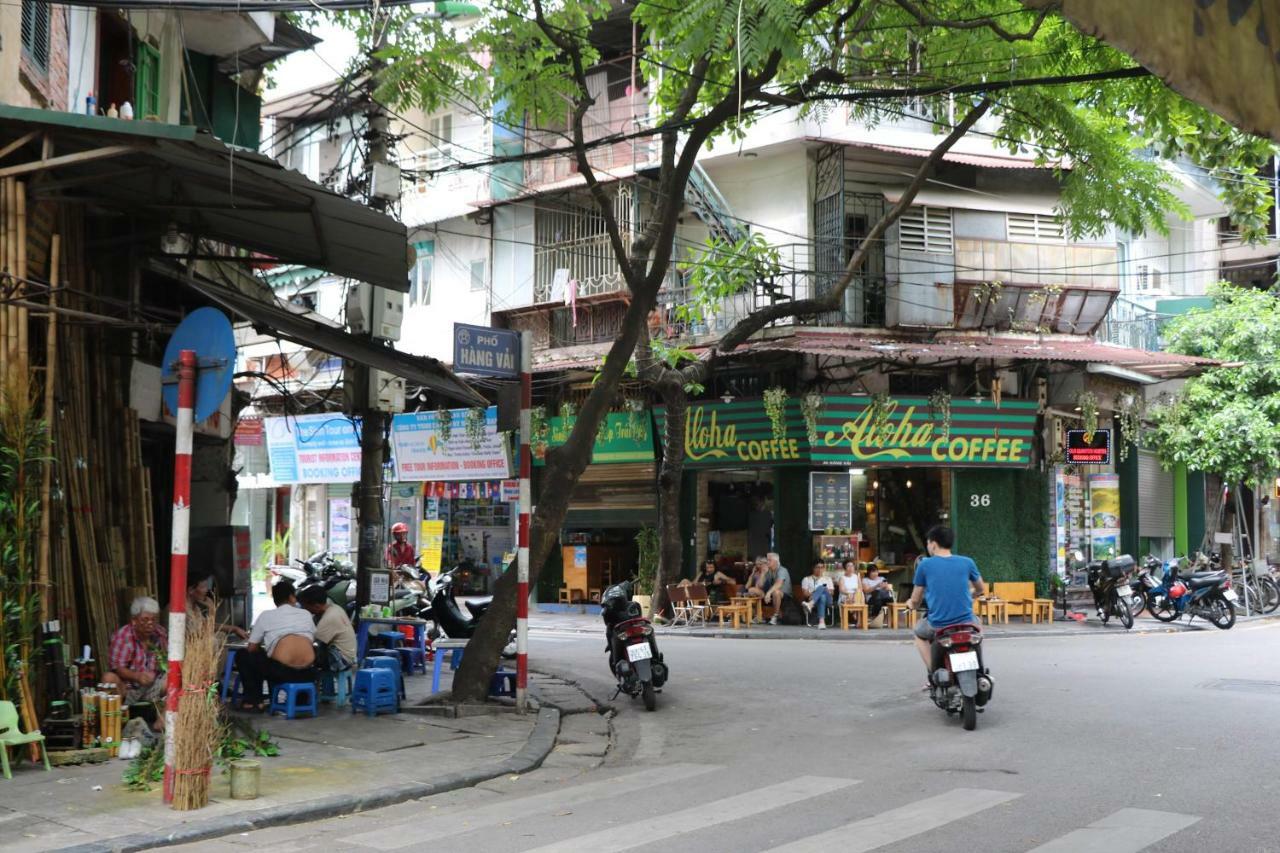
{"points": [[634, 658], [1109, 583], [451, 621]]}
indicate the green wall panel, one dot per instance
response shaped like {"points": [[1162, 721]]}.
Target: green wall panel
{"points": [[1001, 521]]}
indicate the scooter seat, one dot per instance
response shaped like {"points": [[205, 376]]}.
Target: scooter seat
{"points": [[1203, 579], [478, 608]]}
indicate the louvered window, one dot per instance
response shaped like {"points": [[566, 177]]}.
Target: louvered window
{"points": [[1148, 277], [926, 229], [1035, 228], [35, 32]]}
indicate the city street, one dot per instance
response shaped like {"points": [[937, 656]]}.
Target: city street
{"points": [[1115, 742]]}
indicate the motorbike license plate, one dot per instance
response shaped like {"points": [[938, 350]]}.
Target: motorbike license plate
{"points": [[1230, 595], [640, 651], [1124, 591], [964, 661]]}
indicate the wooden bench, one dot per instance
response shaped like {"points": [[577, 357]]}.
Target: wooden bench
{"points": [[1022, 600]]}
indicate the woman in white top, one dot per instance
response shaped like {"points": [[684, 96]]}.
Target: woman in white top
{"points": [[849, 582]]}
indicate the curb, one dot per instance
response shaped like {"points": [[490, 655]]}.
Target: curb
{"points": [[536, 749]]}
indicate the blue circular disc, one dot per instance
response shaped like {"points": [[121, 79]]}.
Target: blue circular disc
{"points": [[209, 333]]}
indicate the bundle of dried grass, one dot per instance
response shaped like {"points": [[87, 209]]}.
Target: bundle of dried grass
{"points": [[198, 729]]}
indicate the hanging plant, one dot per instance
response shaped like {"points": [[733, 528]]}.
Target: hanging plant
{"points": [[444, 424], [1087, 403], [775, 406], [940, 406], [539, 431], [881, 407], [475, 427], [811, 407], [635, 416], [568, 414], [1130, 408]]}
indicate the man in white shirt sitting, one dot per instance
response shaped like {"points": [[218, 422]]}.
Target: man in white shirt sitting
{"points": [[819, 587], [281, 648]]}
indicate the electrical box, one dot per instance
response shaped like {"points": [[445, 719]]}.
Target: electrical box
{"points": [[387, 394], [386, 181], [382, 319]]}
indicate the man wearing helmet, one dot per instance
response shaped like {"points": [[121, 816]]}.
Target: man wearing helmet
{"points": [[399, 551]]}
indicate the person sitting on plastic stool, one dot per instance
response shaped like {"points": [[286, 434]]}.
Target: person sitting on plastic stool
{"points": [[281, 648], [333, 629]]}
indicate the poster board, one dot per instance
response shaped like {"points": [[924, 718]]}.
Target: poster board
{"points": [[830, 494]]}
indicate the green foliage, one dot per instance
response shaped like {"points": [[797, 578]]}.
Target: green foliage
{"points": [[540, 428], [1226, 421], [235, 745], [22, 445], [724, 268], [646, 559], [1087, 403], [444, 424], [273, 550], [475, 426], [810, 407], [775, 406], [146, 769]]}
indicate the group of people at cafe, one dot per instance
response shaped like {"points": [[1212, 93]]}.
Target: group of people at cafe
{"points": [[771, 582]]}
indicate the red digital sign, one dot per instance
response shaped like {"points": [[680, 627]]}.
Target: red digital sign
{"points": [[1095, 452]]}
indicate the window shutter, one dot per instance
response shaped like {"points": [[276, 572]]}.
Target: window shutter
{"points": [[1155, 508], [35, 32], [926, 229], [1035, 228]]}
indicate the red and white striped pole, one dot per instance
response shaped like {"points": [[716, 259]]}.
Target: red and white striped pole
{"points": [[522, 540], [178, 557]]}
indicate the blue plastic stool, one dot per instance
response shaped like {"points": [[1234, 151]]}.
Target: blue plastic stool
{"points": [[392, 639], [407, 656], [336, 687], [375, 692], [417, 659], [391, 665], [230, 676], [293, 699], [503, 683], [455, 659]]}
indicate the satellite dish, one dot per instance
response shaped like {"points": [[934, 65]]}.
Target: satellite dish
{"points": [[209, 333]]}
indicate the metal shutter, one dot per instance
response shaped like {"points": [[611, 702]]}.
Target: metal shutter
{"points": [[1155, 497]]}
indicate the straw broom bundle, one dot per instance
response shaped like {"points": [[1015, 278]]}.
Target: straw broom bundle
{"points": [[197, 732]]}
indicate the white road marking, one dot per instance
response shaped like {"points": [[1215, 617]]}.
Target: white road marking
{"points": [[653, 738], [703, 816], [900, 823], [437, 825], [1126, 831]]}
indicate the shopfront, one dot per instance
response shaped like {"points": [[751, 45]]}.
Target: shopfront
{"points": [[873, 481], [613, 500]]}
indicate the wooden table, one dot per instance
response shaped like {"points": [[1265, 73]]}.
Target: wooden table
{"points": [[849, 607], [1037, 609], [738, 614], [897, 609], [754, 605], [993, 609]]}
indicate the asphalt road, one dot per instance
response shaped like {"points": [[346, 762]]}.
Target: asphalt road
{"points": [[1113, 742]]}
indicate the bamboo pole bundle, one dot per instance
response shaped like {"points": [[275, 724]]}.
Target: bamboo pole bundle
{"points": [[197, 728], [11, 263], [5, 269], [21, 338], [50, 377]]}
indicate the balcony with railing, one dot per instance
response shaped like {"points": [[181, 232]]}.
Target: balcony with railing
{"points": [[1129, 324]]}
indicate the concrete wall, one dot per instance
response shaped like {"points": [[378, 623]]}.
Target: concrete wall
{"points": [[428, 327]]}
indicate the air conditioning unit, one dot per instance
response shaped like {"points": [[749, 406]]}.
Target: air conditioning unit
{"points": [[1149, 277]]}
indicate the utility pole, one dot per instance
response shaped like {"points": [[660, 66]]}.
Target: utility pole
{"points": [[368, 493]]}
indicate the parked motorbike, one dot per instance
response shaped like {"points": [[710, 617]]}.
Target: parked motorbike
{"points": [[1109, 583], [634, 658], [449, 618], [960, 682], [1206, 593], [1147, 579], [337, 576]]}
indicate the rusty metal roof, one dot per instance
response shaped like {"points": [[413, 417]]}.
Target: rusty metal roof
{"points": [[861, 344]]}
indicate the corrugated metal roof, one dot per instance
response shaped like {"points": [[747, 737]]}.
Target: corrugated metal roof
{"points": [[989, 161], [166, 175], [860, 345]]}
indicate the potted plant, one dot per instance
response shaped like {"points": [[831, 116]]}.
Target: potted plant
{"points": [[646, 567], [273, 551]]}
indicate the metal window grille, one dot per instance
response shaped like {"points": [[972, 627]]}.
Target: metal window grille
{"points": [[35, 32], [926, 229], [1035, 228]]}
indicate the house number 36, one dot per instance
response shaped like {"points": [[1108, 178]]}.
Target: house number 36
{"points": [[979, 500]]}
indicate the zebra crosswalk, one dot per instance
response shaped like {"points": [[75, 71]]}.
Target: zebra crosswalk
{"points": [[611, 812]]}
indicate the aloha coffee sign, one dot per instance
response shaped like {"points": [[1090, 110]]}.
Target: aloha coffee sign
{"points": [[850, 434], [911, 432]]}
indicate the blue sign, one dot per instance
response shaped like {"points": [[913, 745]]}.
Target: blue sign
{"points": [[208, 332], [483, 351]]}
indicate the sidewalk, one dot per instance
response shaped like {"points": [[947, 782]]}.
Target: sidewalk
{"points": [[589, 624], [332, 765]]}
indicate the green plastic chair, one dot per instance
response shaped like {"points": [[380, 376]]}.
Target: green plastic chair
{"points": [[11, 736]]}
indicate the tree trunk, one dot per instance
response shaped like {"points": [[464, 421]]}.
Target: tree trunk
{"points": [[670, 540], [564, 466]]}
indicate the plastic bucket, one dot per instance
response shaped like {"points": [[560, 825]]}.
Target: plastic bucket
{"points": [[244, 779]]}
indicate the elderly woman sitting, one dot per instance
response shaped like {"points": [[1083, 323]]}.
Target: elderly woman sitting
{"points": [[138, 656]]}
